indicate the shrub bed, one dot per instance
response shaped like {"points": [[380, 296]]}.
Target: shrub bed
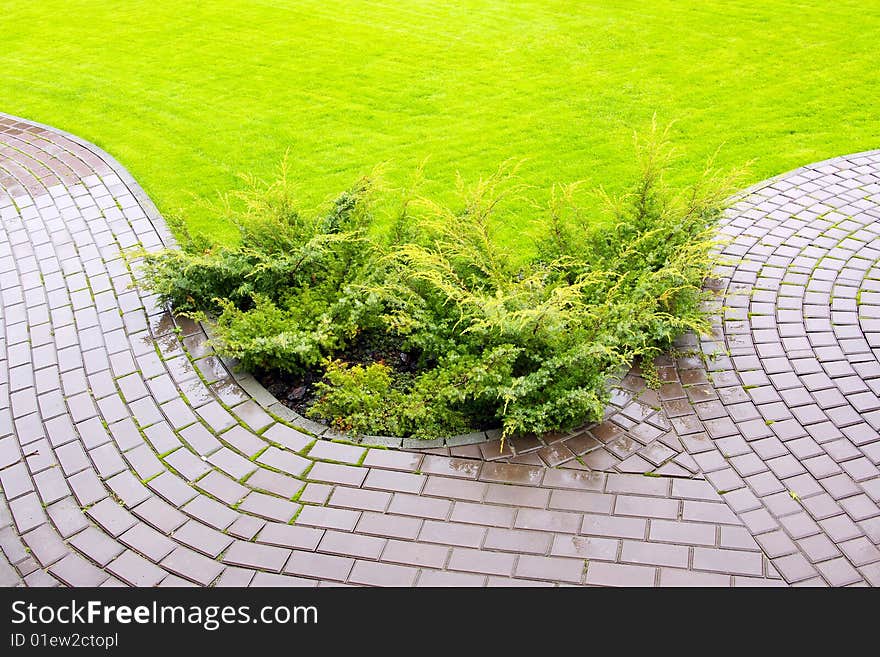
{"points": [[431, 328]]}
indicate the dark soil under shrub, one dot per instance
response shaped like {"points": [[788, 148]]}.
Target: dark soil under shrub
{"points": [[297, 391]]}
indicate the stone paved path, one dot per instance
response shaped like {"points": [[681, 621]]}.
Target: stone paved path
{"points": [[130, 455]]}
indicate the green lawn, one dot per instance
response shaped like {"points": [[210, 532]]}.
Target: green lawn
{"points": [[186, 95]]}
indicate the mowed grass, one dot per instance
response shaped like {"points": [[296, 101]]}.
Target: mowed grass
{"points": [[187, 95]]}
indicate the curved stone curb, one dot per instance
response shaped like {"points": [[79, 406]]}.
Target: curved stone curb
{"points": [[273, 405], [129, 455]]}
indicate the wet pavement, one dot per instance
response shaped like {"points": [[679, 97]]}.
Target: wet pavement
{"points": [[131, 455]]}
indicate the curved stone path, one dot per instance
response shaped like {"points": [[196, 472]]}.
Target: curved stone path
{"points": [[129, 454]]}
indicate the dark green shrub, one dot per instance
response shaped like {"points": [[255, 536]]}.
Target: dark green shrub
{"points": [[530, 347]]}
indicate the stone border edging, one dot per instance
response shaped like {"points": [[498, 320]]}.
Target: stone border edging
{"points": [[253, 387], [685, 484], [269, 402]]}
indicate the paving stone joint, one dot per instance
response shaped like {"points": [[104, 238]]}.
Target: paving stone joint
{"points": [[132, 455]]}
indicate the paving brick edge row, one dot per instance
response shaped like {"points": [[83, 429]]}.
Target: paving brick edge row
{"points": [[129, 454]]}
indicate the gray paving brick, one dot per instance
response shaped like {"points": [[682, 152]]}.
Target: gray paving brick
{"points": [[382, 574], [324, 566], [727, 561], [192, 566], [613, 574], [550, 568], [254, 555], [380, 524], [555, 521], [73, 570], [780, 436], [137, 571], [292, 536], [45, 544], [148, 541], [27, 512], [614, 527]]}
